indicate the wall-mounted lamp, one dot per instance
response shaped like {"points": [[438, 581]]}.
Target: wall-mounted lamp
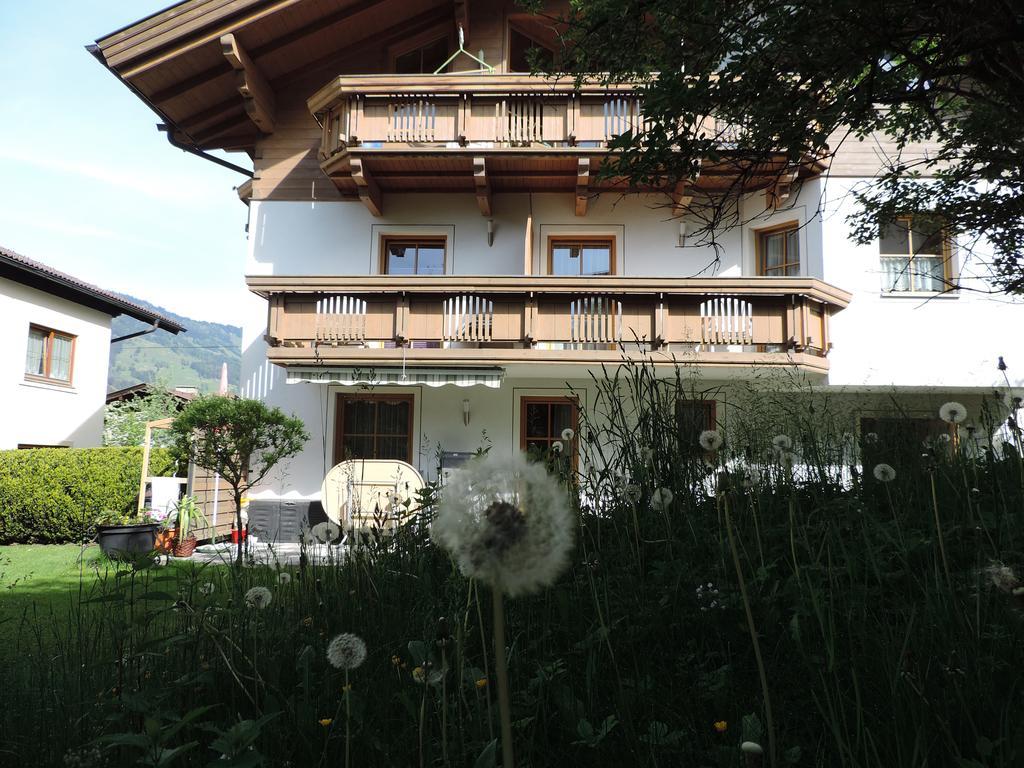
{"points": [[490, 232], [682, 233], [465, 412]]}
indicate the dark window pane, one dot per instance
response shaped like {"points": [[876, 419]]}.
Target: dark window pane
{"points": [[537, 420], [895, 239], [393, 417], [359, 417], [357, 447], [395, 448], [434, 55], [561, 419], [519, 58], [927, 237], [409, 63]]}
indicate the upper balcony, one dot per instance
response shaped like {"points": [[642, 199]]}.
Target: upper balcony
{"points": [[388, 320], [486, 133]]}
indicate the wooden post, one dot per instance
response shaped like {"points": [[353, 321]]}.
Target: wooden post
{"points": [[145, 466]]}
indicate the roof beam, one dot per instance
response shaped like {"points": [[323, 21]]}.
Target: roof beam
{"points": [[582, 185], [369, 190], [778, 192], [257, 95], [217, 129], [483, 185]]}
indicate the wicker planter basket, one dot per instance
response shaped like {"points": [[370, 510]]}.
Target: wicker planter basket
{"points": [[185, 547]]}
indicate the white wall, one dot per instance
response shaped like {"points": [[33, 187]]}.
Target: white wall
{"points": [[885, 339], [47, 414]]}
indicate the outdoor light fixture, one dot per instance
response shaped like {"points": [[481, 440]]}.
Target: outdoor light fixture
{"points": [[465, 412], [490, 232], [682, 233]]}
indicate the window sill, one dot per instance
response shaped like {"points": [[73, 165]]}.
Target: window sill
{"points": [[921, 295], [53, 386]]}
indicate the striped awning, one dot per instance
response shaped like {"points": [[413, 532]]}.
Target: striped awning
{"points": [[430, 377]]}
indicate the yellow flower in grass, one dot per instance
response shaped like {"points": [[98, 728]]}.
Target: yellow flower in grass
{"points": [[326, 721], [481, 683], [419, 675], [346, 688], [721, 726]]}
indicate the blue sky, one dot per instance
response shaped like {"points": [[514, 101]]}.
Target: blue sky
{"points": [[87, 183]]}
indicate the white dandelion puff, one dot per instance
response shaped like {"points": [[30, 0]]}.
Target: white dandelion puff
{"points": [[953, 412], [782, 442], [557, 447], [207, 588], [710, 440], [661, 498], [325, 533], [787, 459], [346, 651], [284, 577], [258, 597], [568, 435], [750, 477], [884, 473], [506, 522], [632, 493], [751, 748]]}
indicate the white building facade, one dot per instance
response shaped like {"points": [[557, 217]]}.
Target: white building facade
{"points": [[437, 265], [56, 350]]}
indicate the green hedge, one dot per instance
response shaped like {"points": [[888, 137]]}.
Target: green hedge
{"points": [[54, 495]]}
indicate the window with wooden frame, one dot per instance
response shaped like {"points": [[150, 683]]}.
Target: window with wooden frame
{"points": [[402, 255], [778, 250], [372, 426], [542, 420], [524, 50], [424, 59], [50, 355], [581, 256], [692, 418], [914, 255]]}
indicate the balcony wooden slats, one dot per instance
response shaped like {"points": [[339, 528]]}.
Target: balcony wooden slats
{"points": [[519, 318]]}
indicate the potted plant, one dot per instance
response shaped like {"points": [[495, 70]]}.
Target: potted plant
{"points": [[167, 534], [120, 533], [187, 514]]}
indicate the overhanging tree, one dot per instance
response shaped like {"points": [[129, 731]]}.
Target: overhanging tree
{"points": [[242, 440], [800, 79]]}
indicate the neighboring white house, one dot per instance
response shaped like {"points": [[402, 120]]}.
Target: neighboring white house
{"points": [[440, 259], [55, 352]]}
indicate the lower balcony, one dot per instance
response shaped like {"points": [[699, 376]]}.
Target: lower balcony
{"points": [[383, 320]]}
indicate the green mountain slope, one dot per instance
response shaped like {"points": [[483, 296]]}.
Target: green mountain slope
{"points": [[191, 359]]}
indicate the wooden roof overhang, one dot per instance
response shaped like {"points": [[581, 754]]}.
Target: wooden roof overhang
{"points": [[211, 68]]}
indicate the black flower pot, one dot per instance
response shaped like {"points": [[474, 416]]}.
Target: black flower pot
{"points": [[117, 540]]}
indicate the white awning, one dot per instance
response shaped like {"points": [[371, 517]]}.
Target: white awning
{"points": [[431, 377]]}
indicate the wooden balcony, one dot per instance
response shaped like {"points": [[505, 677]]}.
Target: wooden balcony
{"points": [[499, 321], [493, 133]]}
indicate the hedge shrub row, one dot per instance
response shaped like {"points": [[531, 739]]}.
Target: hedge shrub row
{"points": [[54, 495]]}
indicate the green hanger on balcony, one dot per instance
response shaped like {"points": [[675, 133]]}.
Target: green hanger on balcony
{"points": [[462, 49]]}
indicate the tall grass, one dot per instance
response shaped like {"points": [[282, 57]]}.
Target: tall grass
{"points": [[877, 621]]}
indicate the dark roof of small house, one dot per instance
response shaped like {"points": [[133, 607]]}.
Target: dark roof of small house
{"points": [[22, 269], [140, 390]]}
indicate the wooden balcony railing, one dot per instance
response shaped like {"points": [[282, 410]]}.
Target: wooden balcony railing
{"points": [[501, 320], [376, 111]]}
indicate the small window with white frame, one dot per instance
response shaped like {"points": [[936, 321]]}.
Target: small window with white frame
{"points": [[914, 255]]}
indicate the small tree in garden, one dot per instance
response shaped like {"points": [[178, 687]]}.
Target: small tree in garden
{"points": [[241, 440]]}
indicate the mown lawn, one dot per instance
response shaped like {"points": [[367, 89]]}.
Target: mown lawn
{"points": [[40, 578]]}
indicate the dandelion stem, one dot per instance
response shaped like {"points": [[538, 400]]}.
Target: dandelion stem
{"points": [[753, 632], [501, 669], [938, 533], [483, 648], [348, 721]]}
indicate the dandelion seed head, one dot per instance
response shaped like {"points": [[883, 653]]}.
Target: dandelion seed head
{"points": [[661, 498], [207, 588], [632, 493], [258, 597], [953, 412], [1002, 577], [284, 577], [346, 651], [506, 522], [884, 473], [750, 477], [751, 748], [782, 442], [325, 533], [871, 438], [710, 440], [557, 447], [568, 435]]}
